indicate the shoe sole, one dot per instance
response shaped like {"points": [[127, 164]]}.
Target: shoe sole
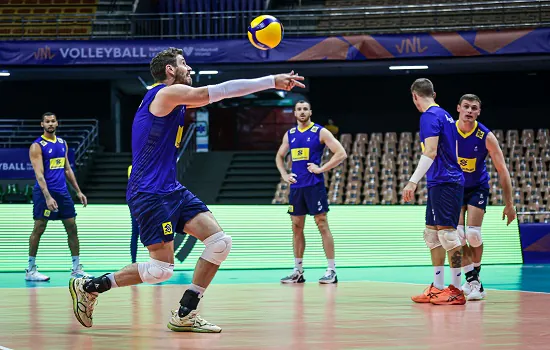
{"points": [[447, 303], [329, 282], [75, 302], [292, 282], [46, 280], [175, 328]]}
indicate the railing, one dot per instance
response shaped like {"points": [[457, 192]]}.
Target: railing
{"points": [[20, 133], [301, 22], [189, 146], [544, 219]]}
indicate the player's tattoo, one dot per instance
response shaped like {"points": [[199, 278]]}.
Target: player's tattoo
{"points": [[456, 259]]}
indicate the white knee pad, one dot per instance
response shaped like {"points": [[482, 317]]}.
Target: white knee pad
{"points": [[473, 235], [449, 239], [431, 238], [217, 248], [461, 234], [155, 271]]}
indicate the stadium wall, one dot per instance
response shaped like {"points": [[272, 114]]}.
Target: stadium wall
{"points": [[262, 238]]}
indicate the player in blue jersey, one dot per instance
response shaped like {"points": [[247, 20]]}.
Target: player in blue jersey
{"points": [[445, 182], [51, 198], [160, 204], [308, 195], [475, 142]]}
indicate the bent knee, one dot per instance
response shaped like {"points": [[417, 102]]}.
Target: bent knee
{"points": [[155, 271], [217, 248]]}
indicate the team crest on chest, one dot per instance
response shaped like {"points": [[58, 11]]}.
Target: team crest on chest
{"points": [[293, 130], [314, 129], [43, 143], [479, 134]]}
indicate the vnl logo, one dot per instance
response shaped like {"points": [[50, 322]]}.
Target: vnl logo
{"points": [[44, 53], [186, 242]]}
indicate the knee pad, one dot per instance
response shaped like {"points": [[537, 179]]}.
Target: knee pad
{"points": [[217, 248], [431, 238], [155, 271], [449, 239], [461, 234], [473, 235]]}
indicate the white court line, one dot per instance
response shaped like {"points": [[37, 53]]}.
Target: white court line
{"points": [[271, 283], [4, 348]]}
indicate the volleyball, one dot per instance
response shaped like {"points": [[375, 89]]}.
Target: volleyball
{"points": [[265, 32]]}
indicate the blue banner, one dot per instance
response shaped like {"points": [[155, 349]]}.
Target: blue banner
{"points": [[535, 243], [351, 48], [16, 164]]}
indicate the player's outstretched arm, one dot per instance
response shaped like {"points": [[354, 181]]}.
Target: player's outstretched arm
{"points": [[35, 154], [339, 153], [426, 160], [496, 155], [179, 94], [72, 179], [280, 161]]}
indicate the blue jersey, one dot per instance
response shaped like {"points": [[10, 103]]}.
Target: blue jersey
{"points": [[53, 160], [306, 147], [445, 169], [155, 144], [472, 152]]}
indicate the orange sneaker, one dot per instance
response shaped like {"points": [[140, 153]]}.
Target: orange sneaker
{"points": [[429, 293], [450, 296]]}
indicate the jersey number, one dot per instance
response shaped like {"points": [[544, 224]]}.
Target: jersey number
{"points": [[179, 135]]}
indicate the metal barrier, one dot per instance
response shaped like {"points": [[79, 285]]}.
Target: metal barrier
{"points": [[532, 219], [297, 22], [21, 133], [189, 146]]}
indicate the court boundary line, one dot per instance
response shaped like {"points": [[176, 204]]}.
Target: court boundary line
{"points": [[271, 283], [4, 348]]}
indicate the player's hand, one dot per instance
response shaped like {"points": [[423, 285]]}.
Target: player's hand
{"points": [[510, 213], [313, 168], [290, 178], [51, 204], [408, 191], [288, 81], [82, 198]]}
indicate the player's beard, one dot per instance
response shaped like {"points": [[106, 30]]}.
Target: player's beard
{"points": [[302, 120], [183, 77], [50, 130]]}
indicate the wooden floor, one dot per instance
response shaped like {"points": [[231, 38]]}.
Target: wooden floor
{"points": [[351, 315]]}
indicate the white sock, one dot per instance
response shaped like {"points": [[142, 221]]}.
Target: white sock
{"points": [[331, 264], [200, 290], [477, 264], [32, 261], [111, 277], [439, 277], [456, 277], [468, 268], [76, 262], [298, 264]]}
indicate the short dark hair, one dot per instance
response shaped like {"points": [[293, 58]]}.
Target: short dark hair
{"points": [[423, 87], [47, 114], [471, 98], [302, 101], [159, 62]]}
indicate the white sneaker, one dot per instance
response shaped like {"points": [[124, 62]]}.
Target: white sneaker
{"points": [[79, 272], [191, 323], [475, 293], [297, 276], [83, 302], [329, 277], [34, 275], [466, 288]]}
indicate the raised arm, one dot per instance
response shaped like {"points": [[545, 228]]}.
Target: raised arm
{"points": [[179, 94]]}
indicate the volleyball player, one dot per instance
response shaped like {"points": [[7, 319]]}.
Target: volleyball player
{"points": [[160, 204]]}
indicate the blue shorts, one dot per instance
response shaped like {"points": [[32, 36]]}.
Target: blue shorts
{"points": [[65, 206], [444, 205], [310, 200], [160, 216], [476, 196]]}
